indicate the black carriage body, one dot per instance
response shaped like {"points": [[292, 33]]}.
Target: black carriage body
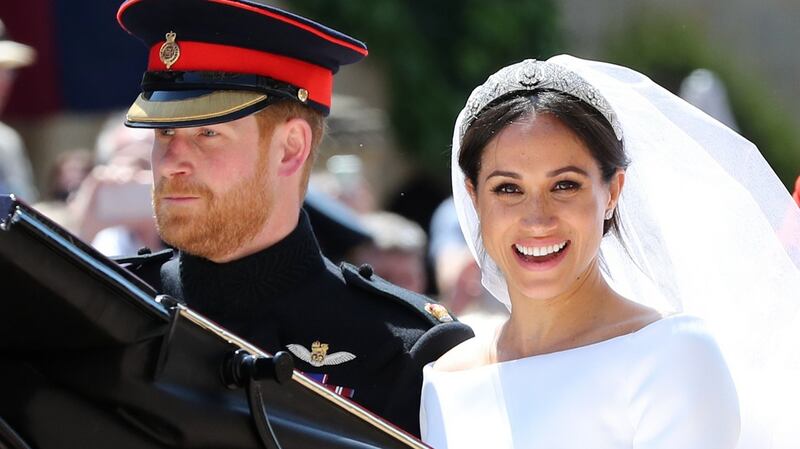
{"points": [[90, 358]]}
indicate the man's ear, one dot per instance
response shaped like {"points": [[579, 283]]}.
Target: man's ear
{"points": [[294, 138]]}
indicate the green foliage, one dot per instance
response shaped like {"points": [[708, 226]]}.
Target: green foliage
{"points": [[668, 48], [435, 52]]}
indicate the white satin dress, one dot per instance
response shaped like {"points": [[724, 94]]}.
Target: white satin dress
{"points": [[665, 386]]}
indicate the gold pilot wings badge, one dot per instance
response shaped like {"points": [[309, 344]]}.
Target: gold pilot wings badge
{"points": [[318, 356]]}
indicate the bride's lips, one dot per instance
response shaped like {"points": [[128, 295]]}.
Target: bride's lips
{"points": [[541, 263]]}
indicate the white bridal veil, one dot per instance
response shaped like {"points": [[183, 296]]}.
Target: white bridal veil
{"points": [[709, 230]]}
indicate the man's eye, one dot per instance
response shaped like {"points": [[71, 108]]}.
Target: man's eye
{"points": [[566, 185], [166, 132], [506, 188], [208, 133]]}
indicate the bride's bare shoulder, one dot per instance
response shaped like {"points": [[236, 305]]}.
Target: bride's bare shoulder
{"points": [[468, 354]]}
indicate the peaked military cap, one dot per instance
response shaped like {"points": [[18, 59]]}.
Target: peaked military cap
{"points": [[214, 61]]}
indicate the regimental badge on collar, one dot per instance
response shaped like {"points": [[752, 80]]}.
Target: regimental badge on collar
{"points": [[318, 356], [170, 51]]}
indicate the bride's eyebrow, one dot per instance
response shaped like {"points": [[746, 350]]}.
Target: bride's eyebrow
{"points": [[556, 172], [507, 174], [568, 168]]}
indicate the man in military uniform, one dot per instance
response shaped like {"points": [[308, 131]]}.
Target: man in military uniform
{"points": [[237, 92]]}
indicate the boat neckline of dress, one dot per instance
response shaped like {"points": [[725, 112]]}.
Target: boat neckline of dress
{"points": [[646, 328]]}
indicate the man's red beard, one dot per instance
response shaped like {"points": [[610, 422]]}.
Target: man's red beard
{"points": [[221, 224]]}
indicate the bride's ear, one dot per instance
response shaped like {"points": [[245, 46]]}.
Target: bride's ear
{"points": [[615, 188], [473, 194]]}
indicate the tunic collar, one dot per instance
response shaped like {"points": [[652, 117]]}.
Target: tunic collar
{"points": [[225, 289]]}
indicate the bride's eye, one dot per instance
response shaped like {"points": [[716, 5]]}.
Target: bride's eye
{"points": [[566, 186], [506, 189]]}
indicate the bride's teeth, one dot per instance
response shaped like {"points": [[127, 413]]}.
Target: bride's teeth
{"points": [[540, 251]]}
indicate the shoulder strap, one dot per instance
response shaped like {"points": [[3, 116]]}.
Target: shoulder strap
{"points": [[364, 278]]}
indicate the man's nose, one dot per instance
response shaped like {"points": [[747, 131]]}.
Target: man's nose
{"points": [[176, 158]]}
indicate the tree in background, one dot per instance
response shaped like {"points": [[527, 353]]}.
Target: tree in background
{"points": [[435, 52], [669, 47]]}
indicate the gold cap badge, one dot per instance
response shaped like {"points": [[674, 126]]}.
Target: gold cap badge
{"points": [[170, 51], [439, 312], [302, 95]]}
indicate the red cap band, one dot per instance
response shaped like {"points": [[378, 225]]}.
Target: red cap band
{"points": [[206, 57]]}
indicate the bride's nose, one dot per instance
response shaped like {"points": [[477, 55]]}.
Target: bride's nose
{"points": [[538, 214]]}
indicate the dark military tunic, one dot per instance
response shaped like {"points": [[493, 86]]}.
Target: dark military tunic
{"points": [[289, 296]]}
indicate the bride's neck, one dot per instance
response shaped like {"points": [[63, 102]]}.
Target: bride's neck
{"points": [[538, 326]]}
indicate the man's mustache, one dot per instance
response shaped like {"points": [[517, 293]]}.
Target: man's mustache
{"points": [[181, 187]]}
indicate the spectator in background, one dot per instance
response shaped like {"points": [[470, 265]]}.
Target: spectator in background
{"points": [[706, 91], [458, 277], [343, 179], [446, 244], [114, 136], [64, 178], [337, 227], [67, 173], [15, 168], [336, 198], [397, 252], [113, 205]]}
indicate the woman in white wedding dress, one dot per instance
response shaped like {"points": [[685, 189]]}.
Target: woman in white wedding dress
{"points": [[614, 348]]}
